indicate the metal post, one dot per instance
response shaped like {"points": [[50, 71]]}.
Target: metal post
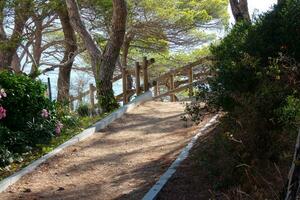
{"points": [[49, 89]]}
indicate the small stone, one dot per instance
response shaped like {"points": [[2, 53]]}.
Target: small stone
{"points": [[67, 174], [27, 190], [60, 189]]}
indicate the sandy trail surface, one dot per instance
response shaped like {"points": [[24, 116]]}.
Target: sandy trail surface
{"points": [[121, 162]]}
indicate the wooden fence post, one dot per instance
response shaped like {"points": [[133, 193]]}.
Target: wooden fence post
{"points": [[172, 96], [191, 78], [124, 84], [92, 98], [145, 73], [156, 88], [137, 78]]}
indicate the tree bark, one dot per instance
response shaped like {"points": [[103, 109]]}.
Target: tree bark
{"points": [[240, 10], [37, 45], [80, 28], [15, 64], [64, 76], [126, 46], [10, 45], [103, 65]]}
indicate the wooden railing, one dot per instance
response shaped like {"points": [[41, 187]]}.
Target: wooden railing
{"points": [[192, 78], [188, 76]]}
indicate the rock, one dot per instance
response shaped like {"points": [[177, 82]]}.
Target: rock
{"points": [[27, 190], [60, 189]]}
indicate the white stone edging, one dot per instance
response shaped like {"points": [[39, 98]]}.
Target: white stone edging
{"points": [[158, 186], [4, 184]]}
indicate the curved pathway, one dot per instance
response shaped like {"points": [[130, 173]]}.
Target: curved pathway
{"points": [[121, 162]]}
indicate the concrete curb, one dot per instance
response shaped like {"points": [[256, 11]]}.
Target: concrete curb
{"points": [[4, 184], [154, 191]]}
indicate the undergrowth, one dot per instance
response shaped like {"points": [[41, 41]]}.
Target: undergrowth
{"points": [[67, 133]]}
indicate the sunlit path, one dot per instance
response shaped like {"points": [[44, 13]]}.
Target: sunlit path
{"points": [[123, 161]]}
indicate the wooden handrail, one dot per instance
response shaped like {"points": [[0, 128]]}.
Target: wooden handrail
{"points": [[182, 69], [173, 85], [179, 89]]}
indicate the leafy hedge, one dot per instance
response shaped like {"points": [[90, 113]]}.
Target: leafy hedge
{"points": [[27, 117], [257, 84]]}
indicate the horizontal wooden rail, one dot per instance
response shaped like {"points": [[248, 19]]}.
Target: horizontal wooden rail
{"points": [[127, 93], [182, 69], [168, 79], [179, 89]]}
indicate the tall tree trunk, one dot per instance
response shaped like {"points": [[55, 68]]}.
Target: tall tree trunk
{"points": [[240, 10], [37, 45], [15, 64], [10, 45], [103, 65], [64, 76], [126, 45]]}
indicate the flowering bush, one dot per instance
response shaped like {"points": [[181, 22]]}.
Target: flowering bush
{"points": [[2, 110], [27, 117]]}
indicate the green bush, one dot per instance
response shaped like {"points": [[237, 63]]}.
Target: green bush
{"points": [[255, 67], [14, 141], [25, 100], [83, 110], [256, 83], [27, 117], [6, 157], [67, 118]]}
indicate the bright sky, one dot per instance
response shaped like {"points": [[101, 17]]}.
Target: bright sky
{"points": [[260, 5]]}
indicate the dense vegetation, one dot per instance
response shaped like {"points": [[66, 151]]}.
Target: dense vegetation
{"points": [[28, 118], [256, 84]]}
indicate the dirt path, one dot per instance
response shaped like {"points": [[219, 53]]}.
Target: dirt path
{"points": [[122, 162]]}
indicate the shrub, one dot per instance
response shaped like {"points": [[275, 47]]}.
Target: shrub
{"points": [[69, 119], [25, 100], [27, 117], [83, 110], [255, 75], [6, 156], [14, 141], [256, 82]]}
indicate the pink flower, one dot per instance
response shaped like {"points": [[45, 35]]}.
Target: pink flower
{"points": [[58, 128], [2, 113], [2, 93], [45, 113]]}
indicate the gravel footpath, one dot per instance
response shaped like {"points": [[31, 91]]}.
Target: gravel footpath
{"points": [[121, 162]]}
